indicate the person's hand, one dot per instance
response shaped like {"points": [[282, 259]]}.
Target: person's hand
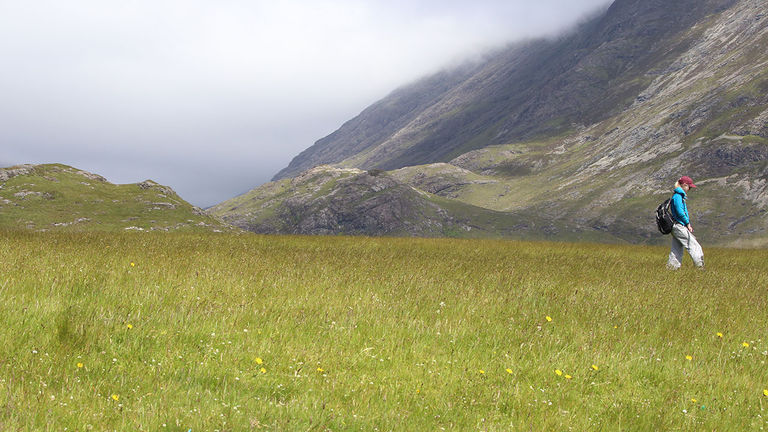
{"points": [[690, 228]]}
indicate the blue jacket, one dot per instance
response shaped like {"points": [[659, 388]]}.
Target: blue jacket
{"points": [[679, 208]]}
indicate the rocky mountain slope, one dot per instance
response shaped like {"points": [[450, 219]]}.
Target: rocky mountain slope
{"points": [[534, 89], [62, 198], [589, 131], [376, 123]]}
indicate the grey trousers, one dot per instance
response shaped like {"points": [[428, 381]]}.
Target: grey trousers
{"points": [[682, 239]]}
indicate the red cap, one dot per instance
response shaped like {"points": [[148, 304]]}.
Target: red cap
{"points": [[686, 180]]}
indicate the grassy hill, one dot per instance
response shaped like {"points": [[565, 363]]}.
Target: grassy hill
{"points": [[111, 331], [57, 197]]}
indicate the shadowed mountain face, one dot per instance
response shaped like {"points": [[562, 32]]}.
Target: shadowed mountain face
{"points": [[587, 133], [377, 123], [534, 89]]}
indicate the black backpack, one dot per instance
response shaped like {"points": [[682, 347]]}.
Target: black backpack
{"points": [[664, 219]]}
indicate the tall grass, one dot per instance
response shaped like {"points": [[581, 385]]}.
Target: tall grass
{"points": [[244, 332]]}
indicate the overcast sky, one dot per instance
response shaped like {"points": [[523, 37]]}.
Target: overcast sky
{"points": [[214, 97]]}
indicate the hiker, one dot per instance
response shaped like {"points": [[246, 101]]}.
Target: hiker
{"points": [[682, 231]]}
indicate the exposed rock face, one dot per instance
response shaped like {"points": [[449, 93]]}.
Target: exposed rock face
{"points": [[361, 204], [92, 176], [325, 200], [8, 173], [149, 184]]}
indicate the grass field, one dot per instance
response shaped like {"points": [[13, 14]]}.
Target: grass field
{"points": [[147, 331]]}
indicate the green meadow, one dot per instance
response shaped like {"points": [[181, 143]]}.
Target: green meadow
{"points": [[228, 332]]}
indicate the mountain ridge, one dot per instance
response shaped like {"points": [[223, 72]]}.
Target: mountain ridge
{"points": [[391, 111], [532, 89]]}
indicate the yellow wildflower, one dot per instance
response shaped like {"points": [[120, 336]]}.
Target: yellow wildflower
{"points": [[558, 372], [689, 358], [321, 370], [720, 335], [745, 345], [79, 365], [130, 326], [595, 367], [509, 371], [568, 376], [116, 397], [258, 360], [765, 392], [549, 318], [262, 370], [481, 371], [133, 264]]}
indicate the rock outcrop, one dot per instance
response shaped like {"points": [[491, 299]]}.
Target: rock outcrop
{"points": [[326, 200]]}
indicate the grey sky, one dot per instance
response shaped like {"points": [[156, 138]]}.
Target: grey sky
{"points": [[214, 97]]}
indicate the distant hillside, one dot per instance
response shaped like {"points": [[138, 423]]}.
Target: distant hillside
{"points": [[590, 130], [328, 201], [61, 198]]}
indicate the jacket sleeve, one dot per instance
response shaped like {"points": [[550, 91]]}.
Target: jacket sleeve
{"points": [[678, 209]]}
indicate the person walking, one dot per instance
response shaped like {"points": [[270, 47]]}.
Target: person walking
{"points": [[682, 231]]}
